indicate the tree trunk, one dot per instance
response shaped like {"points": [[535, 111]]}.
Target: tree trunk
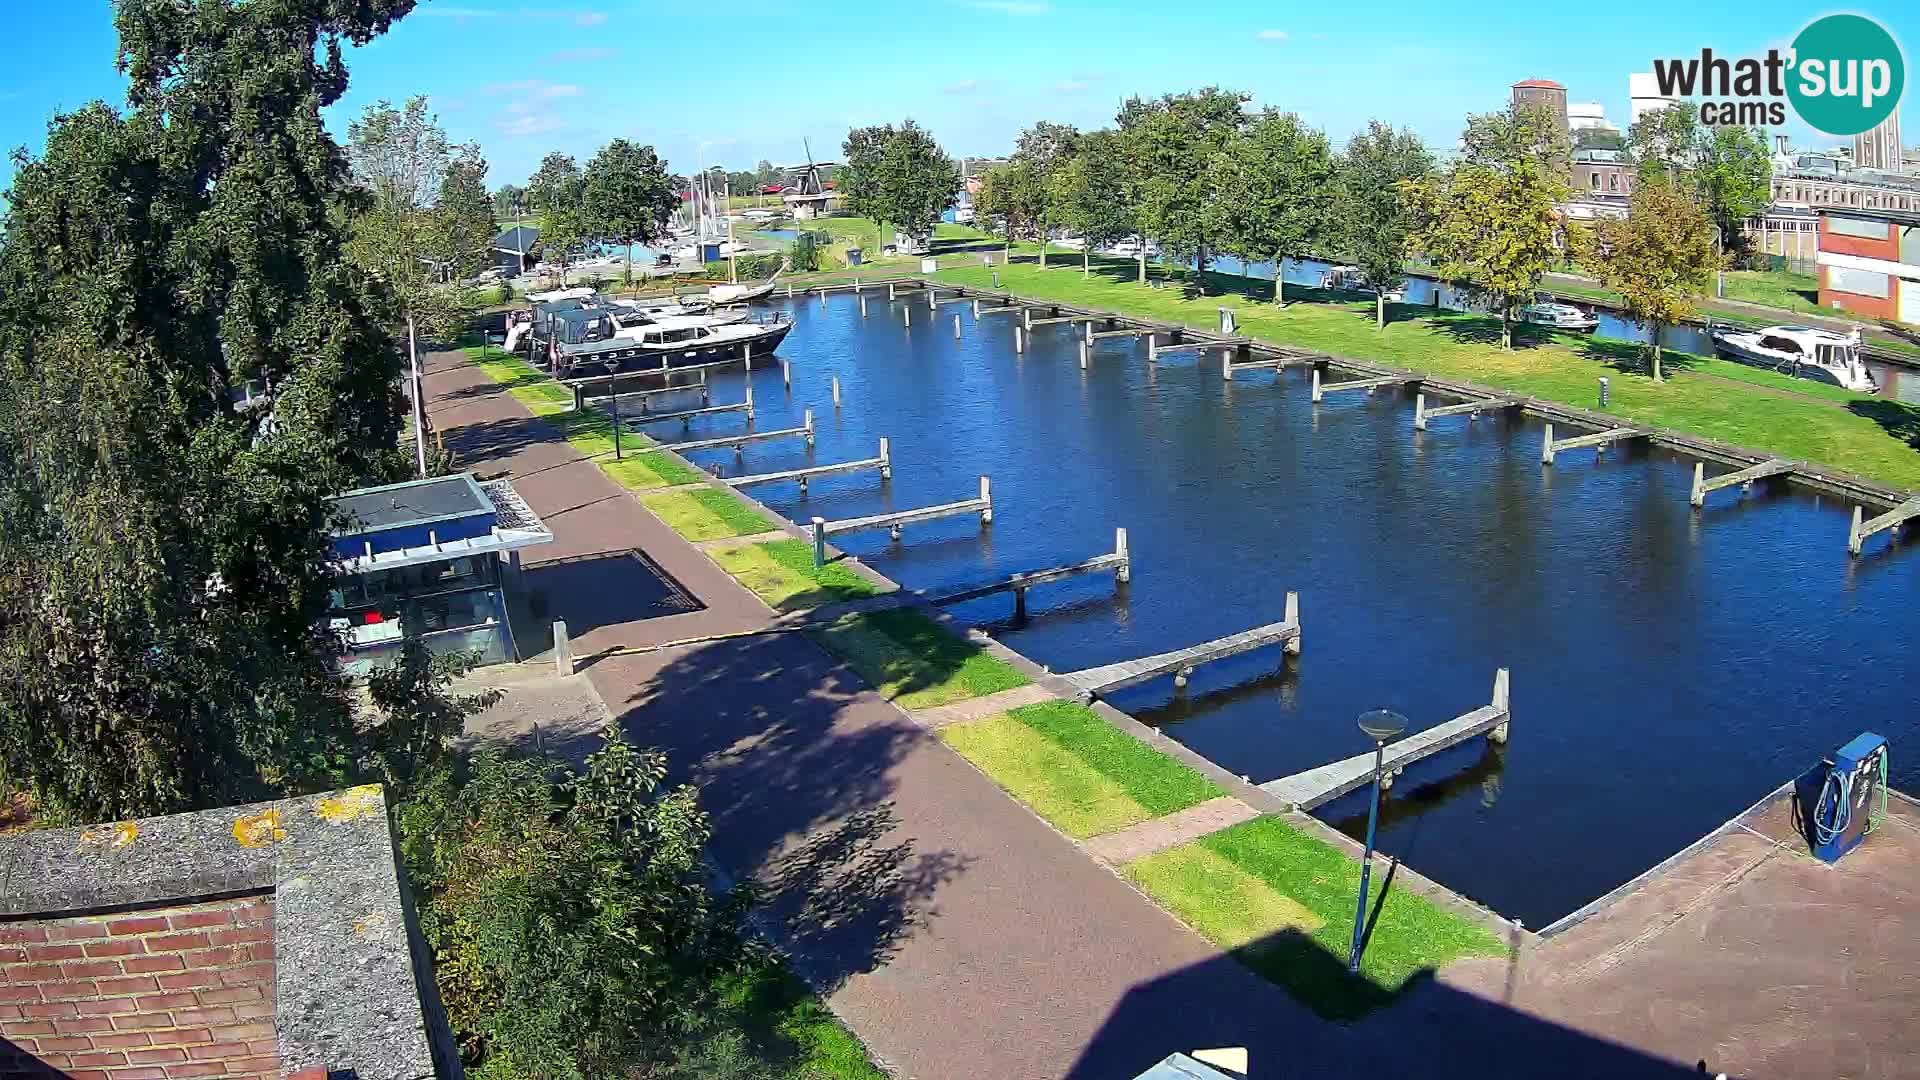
{"points": [[1379, 309], [1200, 269], [419, 406], [1042, 225], [1657, 377], [1506, 326], [1143, 257], [1086, 261], [1279, 281]]}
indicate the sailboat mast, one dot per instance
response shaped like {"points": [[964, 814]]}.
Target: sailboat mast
{"points": [[733, 267]]}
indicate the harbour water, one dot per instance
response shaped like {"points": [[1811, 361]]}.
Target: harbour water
{"points": [[1669, 667]]}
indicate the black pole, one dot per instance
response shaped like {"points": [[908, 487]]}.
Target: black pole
{"points": [[1366, 861], [615, 383]]}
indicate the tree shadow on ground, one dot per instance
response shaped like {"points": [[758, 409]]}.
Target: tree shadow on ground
{"points": [[1427, 1029], [1899, 419], [797, 773]]}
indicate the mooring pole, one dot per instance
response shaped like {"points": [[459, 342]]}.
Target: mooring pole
{"points": [[956, 328], [786, 374], [1019, 341], [886, 459], [809, 427], [1123, 573], [836, 391], [819, 541], [906, 314], [614, 384], [1419, 412], [749, 400], [986, 496]]}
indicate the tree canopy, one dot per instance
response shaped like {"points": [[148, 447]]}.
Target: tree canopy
{"points": [[1728, 167], [1371, 204], [1171, 143], [1273, 190], [1088, 195], [628, 195], [898, 176], [557, 192], [1661, 257]]}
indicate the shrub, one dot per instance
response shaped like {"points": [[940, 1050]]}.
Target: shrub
{"points": [[567, 912], [803, 255]]}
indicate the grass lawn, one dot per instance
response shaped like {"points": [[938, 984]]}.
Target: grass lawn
{"points": [[706, 514], [787, 1032], [782, 573], [1789, 417], [916, 662], [1775, 288], [1282, 902], [644, 472], [1075, 769]]}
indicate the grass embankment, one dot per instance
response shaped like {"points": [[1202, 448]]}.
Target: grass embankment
{"points": [[1076, 770], [1705, 396], [706, 514], [1283, 903], [782, 573], [790, 1031], [589, 431], [915, 662], [1775, 288]]}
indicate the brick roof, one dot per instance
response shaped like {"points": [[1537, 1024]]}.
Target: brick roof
{"points": [[1540, 84]]}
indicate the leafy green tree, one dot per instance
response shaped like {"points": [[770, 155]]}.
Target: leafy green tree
{"points": [[1273, 191], [1087, 194], [463, 225], [898, 176], [628, 196], [557, 193], [509, 201], [1042, 151], [567, 913], [1371, 204], [999, 199], [1171, 143], [1660, 258], [1492, 224], [166, 567], [1728, 167]]}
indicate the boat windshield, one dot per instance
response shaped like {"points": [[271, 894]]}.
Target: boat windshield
{"points": [[1837, 356]]}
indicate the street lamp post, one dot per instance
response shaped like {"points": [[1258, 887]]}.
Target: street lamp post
{"points": [[1378, 725]]}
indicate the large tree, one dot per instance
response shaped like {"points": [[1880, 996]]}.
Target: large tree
{"points": [[1371, 204], [1273, 190], [629, 195], [1660, 257], [463, 221], [898, 176], [1170, 147], [166, 567], [1491, 224], [557, 193], [1087, 194], [1728, 167], [1043, 150]]}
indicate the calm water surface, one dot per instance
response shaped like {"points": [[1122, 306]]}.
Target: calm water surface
{"points": [[1669, 668]]}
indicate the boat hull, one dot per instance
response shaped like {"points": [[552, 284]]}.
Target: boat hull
{"points": [[1734, 351], [627, 356]]}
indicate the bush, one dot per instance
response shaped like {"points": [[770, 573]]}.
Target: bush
{"points": [[567, 913], [803, 255], [503, 294]]}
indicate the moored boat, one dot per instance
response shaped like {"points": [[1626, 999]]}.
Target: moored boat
{"points": [[591, 342], [1559, 316], [1801, 351]]}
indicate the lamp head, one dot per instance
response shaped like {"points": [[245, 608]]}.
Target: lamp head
{"points": [[1382, 724]]}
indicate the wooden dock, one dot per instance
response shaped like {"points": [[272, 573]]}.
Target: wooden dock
{"points": [[739, 442], [1093, 682], [1119, 561], [1471, 408], [1697, 496], [1315, 787], [1322, 389], [894, 520], [1892, 519], [1229, 367], [1549, 447], [581, 399], [685, 416], [883, 464]]}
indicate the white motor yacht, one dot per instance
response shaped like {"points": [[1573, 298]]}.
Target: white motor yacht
{"points": [[1559, 316], [1801, 351]]}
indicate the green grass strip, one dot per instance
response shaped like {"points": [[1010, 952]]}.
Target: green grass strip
{"points": [[1076, 770], [1297, 931], [706, 514], [916, 662], [790, 1033], [782, 573], [642, 472]]}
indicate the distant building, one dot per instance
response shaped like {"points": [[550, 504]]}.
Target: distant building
{"points": [[1879, 146], [1544, 92], [429, 560], [513, 249], [1601, 172], [1643, 92], [1588, 116], [1870, 263]]}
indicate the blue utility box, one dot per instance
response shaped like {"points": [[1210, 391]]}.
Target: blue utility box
{"points": [[1840, 800]]}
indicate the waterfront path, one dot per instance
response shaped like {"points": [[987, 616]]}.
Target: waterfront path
{"points": [[953, 930]]}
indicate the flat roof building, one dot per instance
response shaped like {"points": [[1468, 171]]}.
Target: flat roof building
{"points": [[429, 560], [1869, 263]]}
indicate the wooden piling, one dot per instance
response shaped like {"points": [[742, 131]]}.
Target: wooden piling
{"points": [[986, 496], [749, 399], [820, 538], [886, 459], [1546, 447], [562, 649], [786, 374], [808, 424], [906, 315], [1083, 356], [863, 307], [836, 391], [1316, 386], [1419, 412], [1153, 348], [956, 328], [1226, 366], [1124, 572], [1019, 340], [890, 292], [746, 352]]}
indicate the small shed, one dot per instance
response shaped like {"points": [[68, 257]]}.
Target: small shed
{"points": [[513, 249]]}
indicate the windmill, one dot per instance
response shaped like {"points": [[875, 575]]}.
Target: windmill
{"points": [[807, 198]]}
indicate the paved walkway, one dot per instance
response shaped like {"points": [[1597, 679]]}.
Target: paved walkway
{"points": [[957, 933]]}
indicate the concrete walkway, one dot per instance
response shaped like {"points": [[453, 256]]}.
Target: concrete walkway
{"points": [[953, 930]]}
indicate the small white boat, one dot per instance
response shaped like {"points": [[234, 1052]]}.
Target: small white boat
{"points": [[1558, 316], [1353, 279], [1801, 351]]}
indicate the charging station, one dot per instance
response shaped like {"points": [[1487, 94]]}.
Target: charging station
{"points": [[1842, 799]]}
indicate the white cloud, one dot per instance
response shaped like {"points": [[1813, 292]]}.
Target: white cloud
{"points": [[964, 86], [1271, 35], [1009, 7], [523, 126], [536, 88], [582, 56], [580, 18]]}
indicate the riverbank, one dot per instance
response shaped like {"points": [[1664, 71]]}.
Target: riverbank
{"points": [[1705, 396]]}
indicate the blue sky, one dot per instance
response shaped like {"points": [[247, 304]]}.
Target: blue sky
{"points": [[736, 82]]}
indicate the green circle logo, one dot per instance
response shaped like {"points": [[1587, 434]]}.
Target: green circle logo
{"points": [[1847, 74]]}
